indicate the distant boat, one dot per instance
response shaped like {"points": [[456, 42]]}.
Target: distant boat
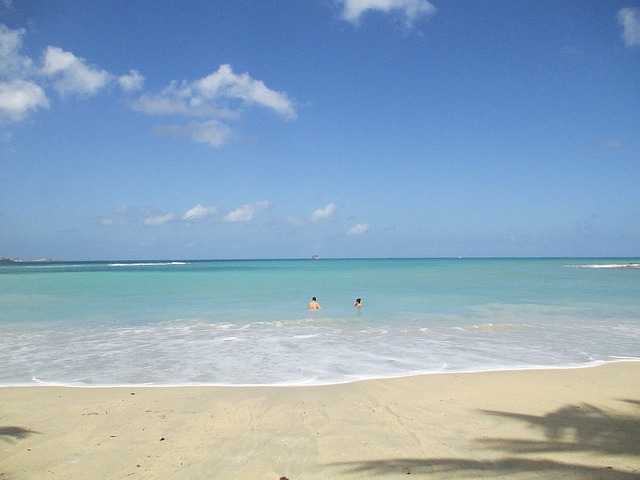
{"points": [[316, 257]]}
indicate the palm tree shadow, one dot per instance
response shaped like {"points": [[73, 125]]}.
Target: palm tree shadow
{"points": [[11, 434], [469, 468], [585, 428], [572, 428]]}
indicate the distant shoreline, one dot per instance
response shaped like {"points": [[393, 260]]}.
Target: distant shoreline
{"points": [[22, 260], [55, 260]]}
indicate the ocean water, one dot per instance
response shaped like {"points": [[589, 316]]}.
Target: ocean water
{"points": [[247, 323]]}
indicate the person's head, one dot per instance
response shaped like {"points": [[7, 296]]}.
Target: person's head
{"points": [[313, 299], [358, 300]]}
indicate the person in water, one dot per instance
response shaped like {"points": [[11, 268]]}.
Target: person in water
{"points": [[358, 302], [314, 305]]}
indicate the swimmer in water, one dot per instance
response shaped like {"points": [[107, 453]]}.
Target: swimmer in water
{"points": [[314, 305]]}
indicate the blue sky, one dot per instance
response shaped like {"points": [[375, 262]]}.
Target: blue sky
{"points": [[350, 128]]}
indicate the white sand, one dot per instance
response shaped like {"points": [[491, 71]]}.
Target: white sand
{"points": [[545, 424]]}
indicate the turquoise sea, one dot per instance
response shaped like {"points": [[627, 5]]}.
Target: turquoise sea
{"points": [[246, 322]]}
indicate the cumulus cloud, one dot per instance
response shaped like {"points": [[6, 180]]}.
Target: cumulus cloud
{"points": [[358, 229], [218, 98], [210, 102], [199, 212], [246, 212], [23, 85], [12, 63], [131, 82], [176, 100], [629, 19], [411, 10], [71, 74], [325, 213], [131, 216], [223, 83], [159, 219], [19, 97]]}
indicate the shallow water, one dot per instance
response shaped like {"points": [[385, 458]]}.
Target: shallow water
{"points": [[246, 322]]}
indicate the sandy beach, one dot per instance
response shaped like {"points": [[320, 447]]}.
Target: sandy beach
{"points": [[543, 424]]}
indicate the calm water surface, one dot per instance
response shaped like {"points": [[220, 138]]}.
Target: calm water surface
{"points": [[246, 322]]}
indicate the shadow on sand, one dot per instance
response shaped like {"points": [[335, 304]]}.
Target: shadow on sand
{"points": [[573, 428], [11, 434], [577, 428]]}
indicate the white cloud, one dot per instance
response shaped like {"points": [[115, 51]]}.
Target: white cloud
{"points": [[217, 97], [211, 132], [71, 74], [18, 94], [214, 100], [199, 212], [246, 212], [23, 85], [160, 105], [629, 18], [324, 213], [208, 95], [19, 97], [358, 229], [130, 215], [410, 9], [159, 219], [169, 102], [132, 81], [225, 84], [12, 64]]}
